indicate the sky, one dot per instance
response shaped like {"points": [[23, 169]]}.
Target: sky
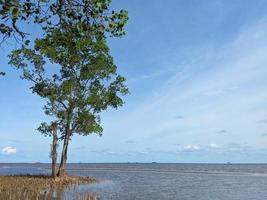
{"points": [[196, 71]]}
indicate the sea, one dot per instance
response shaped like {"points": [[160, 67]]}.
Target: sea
{"points": [[145, 181]]}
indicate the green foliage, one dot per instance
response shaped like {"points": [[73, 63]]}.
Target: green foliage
{"points": [[45, 129], [92, 15], [86, 17], [12, 11], [84, 79]]}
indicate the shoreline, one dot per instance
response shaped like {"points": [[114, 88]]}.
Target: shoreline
{"points": [[36, 186]]}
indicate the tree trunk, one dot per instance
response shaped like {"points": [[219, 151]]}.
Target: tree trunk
{"points": [[62, 166], [54, 151]]}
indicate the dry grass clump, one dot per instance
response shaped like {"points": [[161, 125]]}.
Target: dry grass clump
{"points": [[40, 187]]}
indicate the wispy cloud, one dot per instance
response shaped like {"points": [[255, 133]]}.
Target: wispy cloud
{"points": [[227, 73], [222, 131], [152, 75], [233, 146], [8, 150], [82, 147], [263, 121], [191, 147], [179, 117], [131, 141], [11, 140]]}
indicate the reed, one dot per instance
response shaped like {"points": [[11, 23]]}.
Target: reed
{"points": [[41, 187]]}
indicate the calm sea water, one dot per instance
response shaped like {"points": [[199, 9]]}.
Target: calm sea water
{"points": [[162, 181]]}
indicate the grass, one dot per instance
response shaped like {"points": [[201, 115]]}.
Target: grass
{"points": [[40, 187]]}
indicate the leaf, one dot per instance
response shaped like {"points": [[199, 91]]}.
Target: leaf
{"points": [[14, 11], [27, 42]]}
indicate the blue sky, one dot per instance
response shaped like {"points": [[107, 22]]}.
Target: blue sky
{"points": [[197, 75]]}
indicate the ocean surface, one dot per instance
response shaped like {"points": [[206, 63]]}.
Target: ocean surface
{"points": [[127, 181]]}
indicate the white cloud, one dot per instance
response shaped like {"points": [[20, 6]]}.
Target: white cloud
{"points": [[191, 147], [237, 147], [9, 150], [214, 146], [229, 147]]}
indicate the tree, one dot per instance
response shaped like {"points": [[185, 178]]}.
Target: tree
{"points": [[51, 130], [91, 14], [84, 79]]}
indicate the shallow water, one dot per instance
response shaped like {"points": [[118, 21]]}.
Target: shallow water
{"points": [[162, 181]]}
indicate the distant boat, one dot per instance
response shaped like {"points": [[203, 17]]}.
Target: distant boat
{"points": [[228, 163], [154, 162]]}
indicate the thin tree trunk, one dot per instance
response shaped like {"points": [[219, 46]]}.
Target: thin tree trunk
{"points": [[54, 151], [62, 166]]}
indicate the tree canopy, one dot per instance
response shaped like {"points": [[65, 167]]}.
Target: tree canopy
{"points": [[83, 80], [85, 83], [90, 15]]}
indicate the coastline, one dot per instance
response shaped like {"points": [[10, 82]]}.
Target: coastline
{"points": [[39, 186]]}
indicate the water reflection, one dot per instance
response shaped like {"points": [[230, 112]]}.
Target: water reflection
{"points": [[64, 193]]}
